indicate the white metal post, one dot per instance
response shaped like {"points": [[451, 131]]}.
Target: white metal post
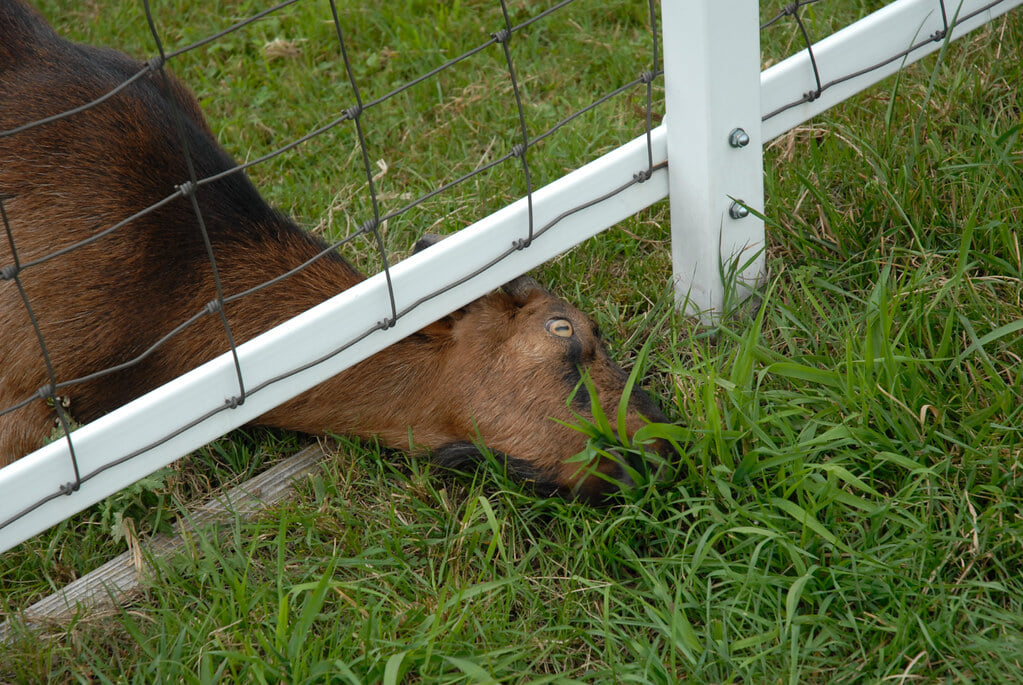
{"points": [[714, 146]]}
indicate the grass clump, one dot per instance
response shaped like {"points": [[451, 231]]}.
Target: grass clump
{"points": [[849, 487]]}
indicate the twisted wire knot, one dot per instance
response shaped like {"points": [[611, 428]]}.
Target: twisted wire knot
{"points": [[187, 189]]}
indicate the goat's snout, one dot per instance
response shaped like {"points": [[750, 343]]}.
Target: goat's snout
{"points": [[625, 470], [546, 369]]}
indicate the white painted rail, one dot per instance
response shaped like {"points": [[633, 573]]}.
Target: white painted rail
{"points": [[859, 48]]}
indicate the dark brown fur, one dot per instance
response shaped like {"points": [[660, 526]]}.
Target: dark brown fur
{"points": [[491, 370]]}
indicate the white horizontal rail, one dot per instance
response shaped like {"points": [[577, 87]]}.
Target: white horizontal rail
{"points": [[140, 425], [870, 41]]}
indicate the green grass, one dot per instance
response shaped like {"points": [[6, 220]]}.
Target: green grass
{"points": [[848, 503]]}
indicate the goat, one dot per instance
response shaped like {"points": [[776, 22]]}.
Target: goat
{"points": [[498, 371]]}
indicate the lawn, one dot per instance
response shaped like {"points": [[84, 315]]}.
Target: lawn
{"points": [[848, 499]]}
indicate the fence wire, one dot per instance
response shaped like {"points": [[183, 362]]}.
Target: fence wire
{"points": [[950, 16], [521, 149]]}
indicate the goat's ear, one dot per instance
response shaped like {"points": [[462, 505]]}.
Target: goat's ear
{"points": [[522, 288], [426, 241], [442, 327]]}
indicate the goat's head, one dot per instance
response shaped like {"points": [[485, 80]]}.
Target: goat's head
{"points": [[530, 352]]}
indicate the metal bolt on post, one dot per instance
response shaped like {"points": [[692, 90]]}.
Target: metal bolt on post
{"points": [[737, 210], [738, 138]]}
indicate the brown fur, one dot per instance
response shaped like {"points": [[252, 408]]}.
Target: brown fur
{"points": [[490, 370]]}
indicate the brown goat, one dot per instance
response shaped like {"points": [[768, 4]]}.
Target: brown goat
{"points": [[499, 370]]}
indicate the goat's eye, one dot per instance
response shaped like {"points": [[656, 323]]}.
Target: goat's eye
{"points": [[559, 327]]}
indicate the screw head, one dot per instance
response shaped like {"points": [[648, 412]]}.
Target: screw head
{"points": [[738, 138], [737, 211]]}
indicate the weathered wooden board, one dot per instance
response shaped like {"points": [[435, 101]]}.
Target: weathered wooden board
{"points": [[113, 583]]}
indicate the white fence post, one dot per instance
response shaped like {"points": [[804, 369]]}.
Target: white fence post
{"points": [[715, 155]]}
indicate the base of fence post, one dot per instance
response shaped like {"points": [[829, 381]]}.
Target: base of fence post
{"points": [[715, 153]]}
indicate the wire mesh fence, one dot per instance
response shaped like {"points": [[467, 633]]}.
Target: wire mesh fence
{"points": [[516, 148], [379, 209]]}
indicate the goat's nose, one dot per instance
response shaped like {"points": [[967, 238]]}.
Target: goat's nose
{"points": [[600, 488], [657, 462], [670, 458], [624, 477]]}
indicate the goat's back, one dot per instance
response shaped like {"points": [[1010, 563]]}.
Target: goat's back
{"points": [[68, 180]]}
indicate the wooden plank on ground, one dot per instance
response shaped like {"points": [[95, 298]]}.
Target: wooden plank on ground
{"points": [[113, 583]]}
